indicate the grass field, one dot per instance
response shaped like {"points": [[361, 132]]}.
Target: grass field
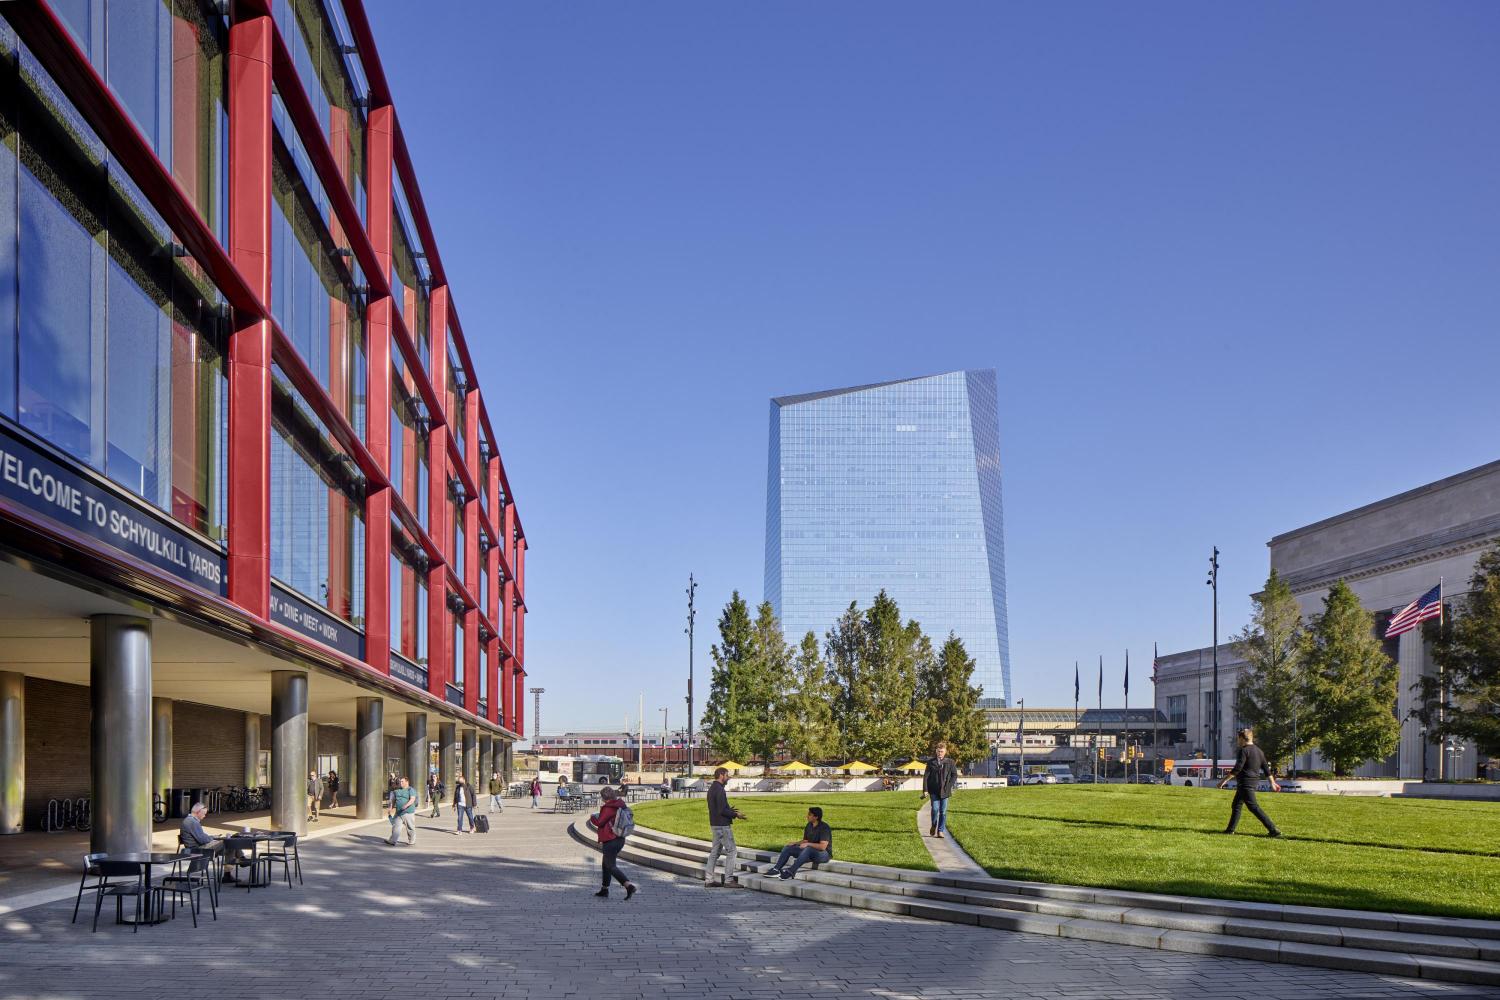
{"points": [[1406, 855], [1403, 855], [876, 828]]}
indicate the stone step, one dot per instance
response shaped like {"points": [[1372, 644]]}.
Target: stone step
{"points": [[1428, 954], [1485, 932]]}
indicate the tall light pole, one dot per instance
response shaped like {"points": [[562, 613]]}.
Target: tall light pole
{"points": [[1022, 740], [1213, 581], [536, 713], [692, 616], [664, 735]]}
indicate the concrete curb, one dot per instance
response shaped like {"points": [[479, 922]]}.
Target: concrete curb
{"points": [[1414, 947]]}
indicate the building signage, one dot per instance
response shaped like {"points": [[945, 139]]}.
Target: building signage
{"points": [[403, 669], [34, 480], [292, 611]]}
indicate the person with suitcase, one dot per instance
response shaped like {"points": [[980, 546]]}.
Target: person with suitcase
{"points": [[463, 803]]}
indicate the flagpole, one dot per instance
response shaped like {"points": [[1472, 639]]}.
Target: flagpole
{"points": [[1125, 757], [1155, 714], [1074, 740], [1099, 721]]}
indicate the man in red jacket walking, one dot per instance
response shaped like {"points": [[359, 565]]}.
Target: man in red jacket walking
{"points": [[610, 843]]}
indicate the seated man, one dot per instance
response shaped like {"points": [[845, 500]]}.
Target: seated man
{"points": [[816, 846], [191, 834]]}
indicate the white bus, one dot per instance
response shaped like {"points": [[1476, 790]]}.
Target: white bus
{"points": [[1199, 773], [583, 769]]}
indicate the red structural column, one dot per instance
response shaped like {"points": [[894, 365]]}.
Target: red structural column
{"points": [[521, 590], [491, 486], [379, 629], [520, 680], [249, 447], [507, 697], [473, 566], [440, 629]]}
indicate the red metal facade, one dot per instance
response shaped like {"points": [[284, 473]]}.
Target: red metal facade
{"points": [[259, 60]]}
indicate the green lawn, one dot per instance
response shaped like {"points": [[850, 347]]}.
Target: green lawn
{"points": [[876, 828], [1406, 855]]}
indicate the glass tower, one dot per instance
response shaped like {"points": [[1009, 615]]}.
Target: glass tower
{"points": [[895, 486]]}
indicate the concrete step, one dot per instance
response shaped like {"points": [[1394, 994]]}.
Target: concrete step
{"points": [[1485, 932], [1103, 915]]}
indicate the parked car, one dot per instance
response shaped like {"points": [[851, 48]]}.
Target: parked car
{"points": [[1042, 779], [1143, 779], [1012, 779]]}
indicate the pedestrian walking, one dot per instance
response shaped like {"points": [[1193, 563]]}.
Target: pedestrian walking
{"points": [[314, 795], [463, 804], [613, 823], [941, 777], [721, 817], [497, 789], [333, 789], [403, 812], [1250, 765], [536, 793], [434, 795]]}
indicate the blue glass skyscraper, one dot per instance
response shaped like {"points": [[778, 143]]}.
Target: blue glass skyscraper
{"points": [[894, 486]]}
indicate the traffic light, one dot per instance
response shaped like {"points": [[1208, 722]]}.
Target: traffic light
{"points": [[1101, 753]]}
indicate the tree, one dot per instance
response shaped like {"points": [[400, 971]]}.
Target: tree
{"points": [[952, 703], [727, 719], [807, 710], [1464, 700], [890, 655], [767, 677], [844, 645], [1351, 684], [1272, 685]]}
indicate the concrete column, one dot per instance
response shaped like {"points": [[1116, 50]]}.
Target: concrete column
{"points": [[447, 737], [486, 760], [120, 733], [252, 749], [161, 746], [471, 760], [416, 749], [369, 738], [289, 751], [508, 769], [352, 771], [12, 751], [312, 750], [1410, 654]]}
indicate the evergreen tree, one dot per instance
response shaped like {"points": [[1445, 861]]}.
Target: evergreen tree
{"points": [[951, 702], [891, 652], [1272, 685], [1467, 650], [811, 735], [844, 645], [767, 678], [1351, 684], [727, 718]]}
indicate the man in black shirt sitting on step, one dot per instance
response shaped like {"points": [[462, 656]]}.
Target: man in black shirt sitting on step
{"points": [[816, 846], [1250, 766]]}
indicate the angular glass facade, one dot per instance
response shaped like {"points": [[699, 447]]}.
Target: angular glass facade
{"points": [[894, 486]]}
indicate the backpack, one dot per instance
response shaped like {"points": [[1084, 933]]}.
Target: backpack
{"points": [[623, 825]]}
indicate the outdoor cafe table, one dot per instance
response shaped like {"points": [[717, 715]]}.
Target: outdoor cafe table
{"points": [[251, 840], [151, 913]]}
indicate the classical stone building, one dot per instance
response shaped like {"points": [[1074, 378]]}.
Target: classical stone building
{"points": [[1389, 552]]}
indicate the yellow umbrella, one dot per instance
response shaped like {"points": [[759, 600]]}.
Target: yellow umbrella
{"points": [[730, 765], [860, 766], [795, 765], [913, 765]]}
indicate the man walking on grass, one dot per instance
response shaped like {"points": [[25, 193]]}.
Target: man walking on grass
{"points": [[1250, 766], [942, 776], [721, 816]]}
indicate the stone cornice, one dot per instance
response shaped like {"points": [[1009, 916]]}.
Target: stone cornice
{"points": [[1436, 545]]}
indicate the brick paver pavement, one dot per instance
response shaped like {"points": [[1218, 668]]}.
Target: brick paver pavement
{"points": [[510, 914]]}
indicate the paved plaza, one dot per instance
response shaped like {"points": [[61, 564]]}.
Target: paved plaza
{"points": [[509, 914]]}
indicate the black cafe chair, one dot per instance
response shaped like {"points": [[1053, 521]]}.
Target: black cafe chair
{"points": [[282, 850], [122, 879], [191, 873], [252, 866], [90, 871]]}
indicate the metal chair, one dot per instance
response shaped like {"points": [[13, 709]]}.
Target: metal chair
{"points": [[190, 882], [233, 858], [282, 850], [90, 870], [136, 887]]}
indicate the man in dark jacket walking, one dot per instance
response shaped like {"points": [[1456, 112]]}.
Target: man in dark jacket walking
{"points": [[720, 817], [1250, 766], [942, 775]]}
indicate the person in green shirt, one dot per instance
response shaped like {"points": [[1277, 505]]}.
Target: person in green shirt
{"points": [[497, 789], [403, 812]]}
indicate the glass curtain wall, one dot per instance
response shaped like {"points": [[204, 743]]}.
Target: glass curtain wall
{"points": [[408, 443], [458, 411], [484, 673], [319, 57], [317, 509], [408, 598], [111, 338], [458, 651], [410, 282], [313, 278]]}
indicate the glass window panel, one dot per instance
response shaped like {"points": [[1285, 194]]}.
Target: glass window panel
{"points": [[9, 232], [138, 37], [458, 652]]}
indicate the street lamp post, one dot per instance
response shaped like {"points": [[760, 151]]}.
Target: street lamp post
{"points": [[665, 733], [692, 616], [1213, 581], [1423, 733]]}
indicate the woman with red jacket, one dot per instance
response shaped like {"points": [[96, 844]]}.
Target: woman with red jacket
{"points": [[610, 843]]}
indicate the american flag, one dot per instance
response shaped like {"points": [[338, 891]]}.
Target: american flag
{"points": [[1429, 605]]}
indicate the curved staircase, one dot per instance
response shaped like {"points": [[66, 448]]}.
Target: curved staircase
{"points": [[1411, 946]]}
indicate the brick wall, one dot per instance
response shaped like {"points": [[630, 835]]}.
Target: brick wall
{"points": [[57, 745], [208, 746]]}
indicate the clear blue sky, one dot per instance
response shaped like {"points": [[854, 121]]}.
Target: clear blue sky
{"points": [[1237, 268]]}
